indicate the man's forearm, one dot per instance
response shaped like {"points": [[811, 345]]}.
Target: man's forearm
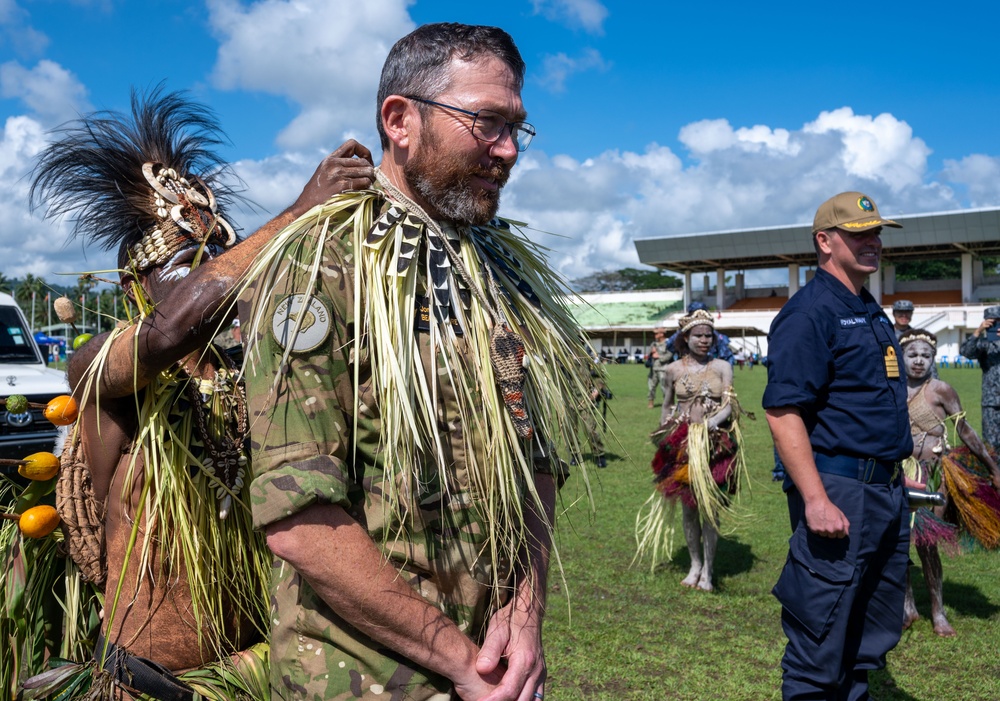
{"points": [[823, 517], [353, 577], [792, 441]]}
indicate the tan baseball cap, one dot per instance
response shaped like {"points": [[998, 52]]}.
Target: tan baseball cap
{"points": [[850, 211]]}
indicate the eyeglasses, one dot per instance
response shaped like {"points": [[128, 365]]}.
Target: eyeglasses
{"points": [[488, 126]]}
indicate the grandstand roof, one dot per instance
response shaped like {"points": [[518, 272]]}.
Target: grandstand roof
{"points": [[940, 234]]}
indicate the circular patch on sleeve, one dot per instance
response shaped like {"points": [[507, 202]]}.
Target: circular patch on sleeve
{"points": [[312, 330]]}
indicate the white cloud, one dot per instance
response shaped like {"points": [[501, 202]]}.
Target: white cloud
{"points": [[49, 90], [588, 15], [27, 243], [273, 184], [710, 135], [8, 11], [879, 148], [979, 174], [557, 68], [324, 56], [733, 178], [16, 31]]}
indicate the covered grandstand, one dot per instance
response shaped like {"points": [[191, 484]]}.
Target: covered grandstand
{"points": [[950, 308]]}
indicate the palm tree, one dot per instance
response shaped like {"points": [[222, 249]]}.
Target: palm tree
{"points": [[30, 294], [110, 301], [81, 296]]}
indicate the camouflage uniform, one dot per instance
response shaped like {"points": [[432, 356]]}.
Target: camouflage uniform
{"points": [[988, 354], [302, 442], [658, 370]]}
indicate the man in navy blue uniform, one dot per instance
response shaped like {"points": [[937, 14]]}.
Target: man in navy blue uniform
{"points": [[836, 406]]}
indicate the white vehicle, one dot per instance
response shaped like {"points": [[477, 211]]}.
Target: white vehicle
{"points": [[23, 371]]}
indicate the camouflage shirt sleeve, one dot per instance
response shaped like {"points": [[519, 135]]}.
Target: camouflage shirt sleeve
{"points": [[298, 382]]}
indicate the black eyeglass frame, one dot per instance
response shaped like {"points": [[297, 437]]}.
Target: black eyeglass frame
{"points": [[513, 127]]}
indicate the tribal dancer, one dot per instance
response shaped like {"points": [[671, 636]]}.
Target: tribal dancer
{"points": [[968, 477], [697, 460], [160, 443], [409, 365]]}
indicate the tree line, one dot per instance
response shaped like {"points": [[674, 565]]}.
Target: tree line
{"points": [[628, 279], [97, 308]]}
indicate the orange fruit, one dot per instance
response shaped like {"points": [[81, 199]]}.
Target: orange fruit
{"points": [[38, 521], [40, 466], [61, 410]]}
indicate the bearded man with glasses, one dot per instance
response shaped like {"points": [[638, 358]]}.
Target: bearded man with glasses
{"points": [[404, 482]]}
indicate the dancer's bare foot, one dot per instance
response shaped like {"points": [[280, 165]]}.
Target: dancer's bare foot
{"points": [[705, 584], [909, 618], [691, 580]]}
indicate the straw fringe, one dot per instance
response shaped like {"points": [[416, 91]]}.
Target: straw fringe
{"points": [[973, 496], [501, 472], [178, 496]]}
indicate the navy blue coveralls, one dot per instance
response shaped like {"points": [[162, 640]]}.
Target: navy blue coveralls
{"points": [[842, 598]]}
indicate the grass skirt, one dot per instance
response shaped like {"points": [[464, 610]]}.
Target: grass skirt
{"points": [[973, 504], [675, 463]]}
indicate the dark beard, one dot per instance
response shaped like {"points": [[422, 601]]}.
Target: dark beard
{"points": [[444, 183]]}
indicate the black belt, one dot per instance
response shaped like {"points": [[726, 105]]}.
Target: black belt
{"points": [[142, 675], [867, 470]]}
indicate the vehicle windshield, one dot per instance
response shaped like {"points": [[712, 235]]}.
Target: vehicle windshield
{"points": [[15, 343]]}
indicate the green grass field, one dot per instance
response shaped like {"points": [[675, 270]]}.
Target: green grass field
{"points": [[615, 631]]}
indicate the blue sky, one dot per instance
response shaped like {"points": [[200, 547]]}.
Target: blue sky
{"points": [[653, 118]]}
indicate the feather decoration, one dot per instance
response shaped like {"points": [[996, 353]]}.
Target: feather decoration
{"points": [[92, 171]]}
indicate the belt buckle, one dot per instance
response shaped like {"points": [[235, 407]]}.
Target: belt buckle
{"points": [[870, 464]]}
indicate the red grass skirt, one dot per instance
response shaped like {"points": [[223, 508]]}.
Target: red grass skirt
{"points": [[973, 504], [670, 465]]}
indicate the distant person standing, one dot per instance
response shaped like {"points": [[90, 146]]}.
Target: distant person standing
{"points": [[836, 406], [902, 315], [658, 359], [595, 423], [740, 358], [984, 345]]}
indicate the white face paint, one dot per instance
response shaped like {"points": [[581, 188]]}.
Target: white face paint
{"points": [[918, 357], [159, 281], [700, 340], [174, 274]]}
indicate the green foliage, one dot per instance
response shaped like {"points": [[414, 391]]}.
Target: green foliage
{"points": [[627, 279], [940, 269], [623, 633], [102, 305]]}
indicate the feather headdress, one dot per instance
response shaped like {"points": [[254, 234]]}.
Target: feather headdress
{"points": [[147, 184]]}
